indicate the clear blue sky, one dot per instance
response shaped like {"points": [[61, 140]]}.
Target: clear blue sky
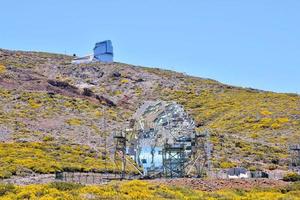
{"points": [[254, 43]]}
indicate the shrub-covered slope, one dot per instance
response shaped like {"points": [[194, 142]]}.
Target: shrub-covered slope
{"points": [[139, 190], [46, 99]]}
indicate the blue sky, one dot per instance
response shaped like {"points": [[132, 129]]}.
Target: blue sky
{"points": [[254, 43]]}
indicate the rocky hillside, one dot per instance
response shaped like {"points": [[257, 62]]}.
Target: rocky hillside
{"points": [[55, 115]]}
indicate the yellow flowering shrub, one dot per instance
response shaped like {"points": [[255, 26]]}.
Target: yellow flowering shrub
{"points": [[235, 114], [2, 69], [265, 113], [34, 104], [74, 122], [48, 157], [226, 165], [140, 190], [283, 120], [123, 81], [97, 113]]}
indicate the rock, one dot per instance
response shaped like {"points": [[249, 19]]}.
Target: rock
{"points": [[116, 74], [87, 92], [61, 84], [139, 80], [105, 101]]}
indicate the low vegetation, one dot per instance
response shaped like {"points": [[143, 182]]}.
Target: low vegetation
{"points": [[47, 157], [249, 128], [249, 125], [139, 190], [292, 177], [2, 69]]}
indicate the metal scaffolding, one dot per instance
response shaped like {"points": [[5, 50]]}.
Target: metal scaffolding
{"points": [[174, 161], [295, 157], [120, 151], [201, 154]]}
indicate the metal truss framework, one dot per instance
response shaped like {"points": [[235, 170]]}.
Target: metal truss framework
{"points": [[174, 160], [295, 157]]}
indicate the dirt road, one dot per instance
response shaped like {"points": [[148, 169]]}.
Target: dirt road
{"points": [[218, 184]]}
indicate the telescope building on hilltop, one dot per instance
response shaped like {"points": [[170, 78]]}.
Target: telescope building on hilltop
{"points": [[103, 52]]}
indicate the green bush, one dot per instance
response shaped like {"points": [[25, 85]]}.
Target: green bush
{"points": [[48, 138], [64, 186], [291, 177], [6, 188], [4, 173]]}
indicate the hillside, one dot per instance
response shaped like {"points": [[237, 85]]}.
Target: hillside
{"points": [[54, 115]]}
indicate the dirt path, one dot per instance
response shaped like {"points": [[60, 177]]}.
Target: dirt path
{"points": [[218, 184]]}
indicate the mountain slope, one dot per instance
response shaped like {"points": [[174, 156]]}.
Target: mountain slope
{"points": [[47, 100]]}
